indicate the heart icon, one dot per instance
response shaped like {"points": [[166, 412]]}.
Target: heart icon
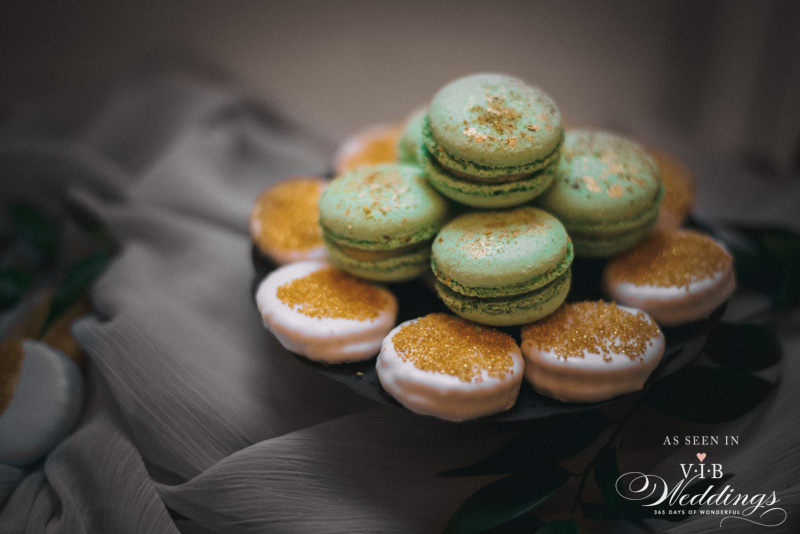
{"points": [[701, 456]]}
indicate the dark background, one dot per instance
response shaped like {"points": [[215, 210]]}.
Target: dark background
{"points": [[722, 76]]}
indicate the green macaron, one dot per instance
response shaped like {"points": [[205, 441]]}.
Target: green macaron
{"points": [[491, 126], [378, 221], [410, 141], [502, 268], [607, 193]]}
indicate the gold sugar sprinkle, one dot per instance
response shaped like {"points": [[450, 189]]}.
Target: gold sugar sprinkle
{"points": [[497, 115], [591, 184], [593, 327], [500, 230], [371, 148], [333, 294], [442, 343], [615, 191], [670, 259], [286, 215]]}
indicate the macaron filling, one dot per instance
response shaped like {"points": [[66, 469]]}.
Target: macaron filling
{"points": [[477, 172], [485, 194]]}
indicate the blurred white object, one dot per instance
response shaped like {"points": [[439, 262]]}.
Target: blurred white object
{"points": [[46, 405]]}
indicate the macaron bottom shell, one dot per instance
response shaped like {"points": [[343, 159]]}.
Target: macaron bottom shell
{"points": [[392, 267], [604, 244], [468, 167], [508, 311], [479, 194]]}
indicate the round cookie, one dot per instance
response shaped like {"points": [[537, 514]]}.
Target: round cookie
{"points": [[678, 191], [591, 351], [444, 366], [378, 221], [492, 126], [410, 142], [284, 220], [676, 276], [46, 403], [487, 139], [324, 314], [371, 146], [607, 193], [502, 268]]}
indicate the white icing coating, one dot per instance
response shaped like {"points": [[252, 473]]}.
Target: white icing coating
{"points": [[47, 403], [446, 396], [590, 378], [671, 306], [329, 340]]}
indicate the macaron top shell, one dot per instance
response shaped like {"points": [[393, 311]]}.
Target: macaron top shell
{"points": [[503, 250], [494, 121], [602, 177], [382, 207]]}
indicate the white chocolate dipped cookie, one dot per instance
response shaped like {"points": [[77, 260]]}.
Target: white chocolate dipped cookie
{"points": [[676, 276], [450, 368], [325, 314], [283, 222], [591, 351]]}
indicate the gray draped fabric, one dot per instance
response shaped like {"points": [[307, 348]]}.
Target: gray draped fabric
{"points": [[196, 419]]}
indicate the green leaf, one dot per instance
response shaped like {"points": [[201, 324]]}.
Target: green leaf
{"points": [[770, 265], [747, 347], [13, 286], [32, 226], [783, 246], [506, 499], [706, 394], [548, 440], [606, 472], [76, 283], [559, 527]]}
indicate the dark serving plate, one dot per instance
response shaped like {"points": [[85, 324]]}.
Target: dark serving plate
{"points": [[415, 299]]}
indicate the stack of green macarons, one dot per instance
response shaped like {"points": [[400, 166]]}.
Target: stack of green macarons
{"points": [[491, 149]]}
